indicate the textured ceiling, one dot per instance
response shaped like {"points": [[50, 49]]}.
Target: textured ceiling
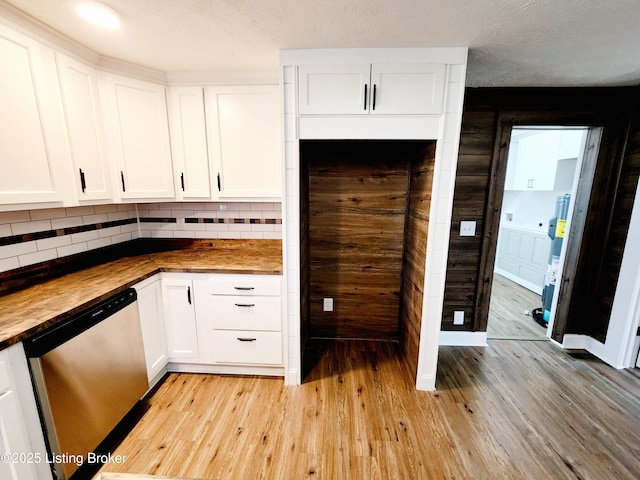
{"points": [[512, 42]]}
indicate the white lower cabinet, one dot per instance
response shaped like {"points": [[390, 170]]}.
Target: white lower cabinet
{"points": [[154, 336], [180, 319], [22, 446], [211, 323], [240, 315]]}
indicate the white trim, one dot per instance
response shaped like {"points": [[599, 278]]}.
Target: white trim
{"points": [[225, 369], [463, 339], [520, 281], [426, 383], [584, 342]]}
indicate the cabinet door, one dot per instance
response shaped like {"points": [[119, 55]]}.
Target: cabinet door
{"points": [[245, 140], [152, 325], [407, 89], [533, 160], [334, 89], [34, 157], [140, 130], [13, 440], [180, 320], [192, 169], [83, 115]]}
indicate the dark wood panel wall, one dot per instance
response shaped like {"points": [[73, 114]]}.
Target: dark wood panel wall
{"points": [[357, 202], [363, 238], [473, 177], [415, 249], [478, 186]]}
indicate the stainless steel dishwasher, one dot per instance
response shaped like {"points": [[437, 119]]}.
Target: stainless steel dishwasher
{"points": [[88, 372]]}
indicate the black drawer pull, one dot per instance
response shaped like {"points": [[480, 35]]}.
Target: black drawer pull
{"points": [[247, 339], [245, 304], [244, 288]]}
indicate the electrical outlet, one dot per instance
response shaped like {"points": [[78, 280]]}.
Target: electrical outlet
{"points": [[327, 304], [458, 317], [467, 228]]}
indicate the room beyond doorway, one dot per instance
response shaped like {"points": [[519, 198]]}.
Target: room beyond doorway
{"points": [[542, 172]]}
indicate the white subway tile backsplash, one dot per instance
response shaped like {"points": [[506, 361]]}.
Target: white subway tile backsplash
{"points": [[109, 232], [37, 257], [80, 211], [99, 243], [68, 222], [30, 227], [9, 264], [105, 208], [113, 216], [53, 242], [72, 249], [57, 232], [123, 237], [47, 213], [91, 219], [17, 249], [84, 236], [252, 235]]}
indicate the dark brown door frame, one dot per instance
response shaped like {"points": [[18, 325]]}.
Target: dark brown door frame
{"points": [[589, 214]]}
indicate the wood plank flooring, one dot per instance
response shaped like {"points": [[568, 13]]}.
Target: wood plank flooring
{"points": [[506, 312], [512, 410]]}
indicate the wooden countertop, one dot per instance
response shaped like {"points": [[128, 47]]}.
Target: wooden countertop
{"points": [[35, 308]]}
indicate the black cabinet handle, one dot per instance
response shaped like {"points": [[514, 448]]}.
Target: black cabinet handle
{"points": [[374, 97], [122, 178], [83, 182], [244, 288], [245, 304], [365, 96], [246, 339], [219, 182], [182, 181], [189, 295]]}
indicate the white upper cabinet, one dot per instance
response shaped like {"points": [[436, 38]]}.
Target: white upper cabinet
{"points": [[371, 89], [34, 155], [192, 169], [140, 136], [534, 156], [244, 133], [83, 115], [334, 89]]}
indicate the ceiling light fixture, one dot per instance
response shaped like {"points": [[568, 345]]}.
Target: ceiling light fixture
{"points": [[98, 14]]}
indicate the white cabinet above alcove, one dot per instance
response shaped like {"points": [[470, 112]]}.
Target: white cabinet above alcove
{"points": [[371, 89]]}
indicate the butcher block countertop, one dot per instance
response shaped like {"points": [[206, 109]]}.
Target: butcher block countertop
{"points": [[31, 310]]}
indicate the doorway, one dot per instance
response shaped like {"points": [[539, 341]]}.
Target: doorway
{"points": [[543, 166]]}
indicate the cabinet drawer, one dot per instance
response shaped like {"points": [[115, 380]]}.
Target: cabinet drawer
{"points": [[243, 285], [244, 313], [235, 346]]}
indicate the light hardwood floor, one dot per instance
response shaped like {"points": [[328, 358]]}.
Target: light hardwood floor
{"points": [[506, 312], [512, 410]]}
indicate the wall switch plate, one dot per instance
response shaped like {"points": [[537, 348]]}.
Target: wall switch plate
{"points": [[327, 304], [458, 317], [468, 228]]}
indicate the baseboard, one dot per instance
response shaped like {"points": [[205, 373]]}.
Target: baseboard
{"points": [[584, 342], [463, 339], [520, 281], [426, 383]]}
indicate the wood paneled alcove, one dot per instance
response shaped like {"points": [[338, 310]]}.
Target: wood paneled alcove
{"points": [[364, 217]]}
